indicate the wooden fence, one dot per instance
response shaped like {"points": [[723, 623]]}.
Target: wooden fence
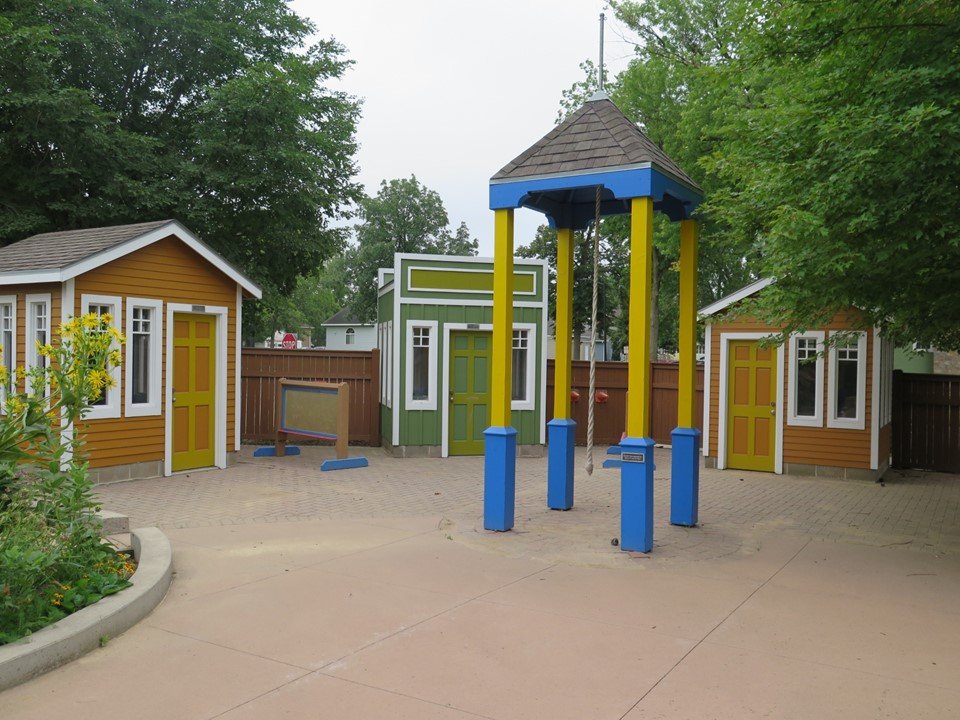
{"points": [[609, 417], [926, 422], [260, 369]]}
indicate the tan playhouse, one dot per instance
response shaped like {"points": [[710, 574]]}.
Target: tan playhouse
{"points": [[799, 407], [174, 405]]}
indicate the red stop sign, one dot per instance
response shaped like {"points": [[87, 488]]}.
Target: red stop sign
{"points": [[289, 342]]}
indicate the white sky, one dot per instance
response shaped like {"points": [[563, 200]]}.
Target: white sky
{"points": [[452, 91]]}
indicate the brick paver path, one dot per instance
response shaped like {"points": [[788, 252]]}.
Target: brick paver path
{"points": [[738, 509]]}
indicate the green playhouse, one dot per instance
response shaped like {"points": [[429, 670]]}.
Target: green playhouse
{"points": [[434, 331]]}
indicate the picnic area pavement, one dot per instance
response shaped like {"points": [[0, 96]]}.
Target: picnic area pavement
{"points": [[376, 593]]}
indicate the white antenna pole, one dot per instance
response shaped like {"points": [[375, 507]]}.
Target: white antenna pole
{"points": [[600, 71]]}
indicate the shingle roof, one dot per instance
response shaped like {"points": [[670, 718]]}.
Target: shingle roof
{"points": [[57, 250], [596, 136], [345, 316]]}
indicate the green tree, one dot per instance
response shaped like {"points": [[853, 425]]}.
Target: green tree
{"points": [[841, 161], [212, 111], [403, 217]]}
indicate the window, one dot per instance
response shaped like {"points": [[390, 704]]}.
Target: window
{"points": [[142, 370], [351, 336], [108, 404], [805, 384], [848, 382], [8, 340], [421, 372], [518, 382], [38, 332], [523, 369], [421, 363]]}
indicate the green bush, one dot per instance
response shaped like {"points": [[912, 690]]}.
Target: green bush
{"points": [[53, 560]]}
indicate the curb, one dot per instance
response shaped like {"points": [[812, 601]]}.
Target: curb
{"points": [[80, 632]]}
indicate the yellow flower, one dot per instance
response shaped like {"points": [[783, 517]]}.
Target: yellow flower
{"points": [[21, 375], [57, 598]]}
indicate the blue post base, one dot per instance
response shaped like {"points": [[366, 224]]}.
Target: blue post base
{"points": [[271, 451], [561, 439], [344, 463], [685, 477], [636, 494], [499, 477]]}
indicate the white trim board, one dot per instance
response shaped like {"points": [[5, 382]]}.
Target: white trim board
{"points": [[239, 359], [724, 303], [708, 346], [220, 421], [173, 227], [725, 339], [875, 402]]}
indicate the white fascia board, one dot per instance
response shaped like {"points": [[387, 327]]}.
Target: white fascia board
{"points": [[739, 295], [102, 258]]}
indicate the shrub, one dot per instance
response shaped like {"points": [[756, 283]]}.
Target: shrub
{"points": [[53, 560]]}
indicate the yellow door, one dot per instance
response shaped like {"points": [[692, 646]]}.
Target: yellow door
{"points": [[194, 397], [751, 406]]}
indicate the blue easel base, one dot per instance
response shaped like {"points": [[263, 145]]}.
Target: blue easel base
{"points": [[270, 451], [614, 450], [611, 463], [344, 463]]}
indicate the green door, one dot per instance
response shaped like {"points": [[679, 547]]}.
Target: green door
{"points": [[469, 391]]}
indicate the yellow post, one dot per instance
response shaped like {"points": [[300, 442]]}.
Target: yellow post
{"points": [[641, 284], [688, 324], [564, 325], [502, 318]]}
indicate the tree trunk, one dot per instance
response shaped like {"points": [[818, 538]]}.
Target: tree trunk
{"points": [[577, 344]]}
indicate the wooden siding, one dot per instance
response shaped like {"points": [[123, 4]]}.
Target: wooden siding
{"points": [[170, 271], [262, 368], [424, 427], [835, 447]]}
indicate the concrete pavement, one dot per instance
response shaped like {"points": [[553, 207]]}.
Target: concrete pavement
{"points": [[376, 594]]}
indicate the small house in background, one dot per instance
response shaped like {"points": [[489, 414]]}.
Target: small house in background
{"points": [[346, 332], [174, 404], [794, 408], [434, 330]]}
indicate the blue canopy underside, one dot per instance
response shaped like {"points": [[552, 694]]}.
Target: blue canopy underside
{"points": [[568, 201]]}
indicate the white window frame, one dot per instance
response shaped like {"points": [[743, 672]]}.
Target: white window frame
{"points": [[430, 403], [155, 405], [10, 300], [860, 422], [111, 408], [349, 336], [816, 420], [30, 351], [529, 402]]}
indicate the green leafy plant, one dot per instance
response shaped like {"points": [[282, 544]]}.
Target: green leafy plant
{"points": [[53, 560]]}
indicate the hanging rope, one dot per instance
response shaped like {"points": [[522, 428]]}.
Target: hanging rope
{"points": [[593, 333]]}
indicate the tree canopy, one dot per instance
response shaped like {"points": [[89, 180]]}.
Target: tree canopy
{"points": [[211, 111], [404, 216], [826, 136]]}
